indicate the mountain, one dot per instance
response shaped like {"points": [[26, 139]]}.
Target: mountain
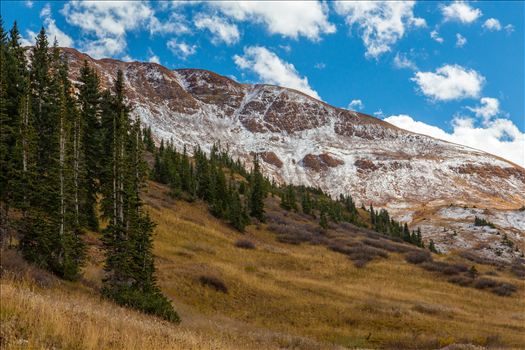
{"points": [[426, 182]]}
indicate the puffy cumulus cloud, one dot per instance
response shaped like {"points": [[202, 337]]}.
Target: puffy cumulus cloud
{"points": [[107, 17], [52, 31], [460, 40], [435, 35], [401, 61], [449, 82], [460, 11], [489, 108], [492, 24], [381, 23], [500, 137], [181, 49], [288, 18], [273, 70], [221, 30], [107, 23], [356, 105]]}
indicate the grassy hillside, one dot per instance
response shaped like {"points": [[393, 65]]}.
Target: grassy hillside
{"points": [[278, 295]]}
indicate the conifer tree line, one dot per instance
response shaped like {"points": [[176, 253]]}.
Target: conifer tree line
{"points": [[232, 193], [237, 195], [383, 223], [62, 147]]}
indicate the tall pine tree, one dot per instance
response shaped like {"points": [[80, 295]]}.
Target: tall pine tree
{"points": [[129, 266], [257, 191]]}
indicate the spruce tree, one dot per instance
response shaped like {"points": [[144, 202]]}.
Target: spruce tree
{"points": [[323, 221], [432, 247], [257, 191], [89, 133], [406, 234], [6, 132], [306, 203], [40, 234], [288, 199], [129, 266]]}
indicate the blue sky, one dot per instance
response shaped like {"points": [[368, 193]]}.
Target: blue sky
{"points": [[453, 70]]}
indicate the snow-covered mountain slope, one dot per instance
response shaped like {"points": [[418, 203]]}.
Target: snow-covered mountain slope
{"points": [[305, 141]]}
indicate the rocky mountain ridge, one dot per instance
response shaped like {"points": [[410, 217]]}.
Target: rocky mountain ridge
{"points": [[305, 141]]}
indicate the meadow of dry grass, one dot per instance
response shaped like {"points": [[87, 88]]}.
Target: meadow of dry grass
{"points": [[277, 295]]}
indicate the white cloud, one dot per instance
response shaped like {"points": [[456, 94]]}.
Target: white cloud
{"points": [[273, 70], [108, 22], [379, 113], [492, 24], [450, 82], [320, 65], [509, 28], [356, 105], [435, 35], [381, 23], [402, 61], [52, 31], [176, 23], [181, 49], [128, 58], [28, 3], [500, 137], [460, 11], [152, 57], [489, 108], [105, 47], [460, 40], [288, 18], [46, 11], [221, 30]]}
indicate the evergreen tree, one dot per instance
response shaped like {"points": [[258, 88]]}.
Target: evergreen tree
{"points": [[257, 191], [130, 270], [406, 234], [306, 203], [6, 132], [147, 138], [89, 133], [288, 199], [372, 216], [323, 221], [432, 247], [40, 235], [237, 213], [473, 272]]}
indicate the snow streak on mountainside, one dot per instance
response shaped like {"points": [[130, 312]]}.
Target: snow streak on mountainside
{"points": [[305, 141]]}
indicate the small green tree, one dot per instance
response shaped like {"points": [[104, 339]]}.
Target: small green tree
{"points": [[473, 272], [432, 247], [323, 220]]}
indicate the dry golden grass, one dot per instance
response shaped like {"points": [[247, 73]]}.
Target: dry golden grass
{"points": [[279, 296]]}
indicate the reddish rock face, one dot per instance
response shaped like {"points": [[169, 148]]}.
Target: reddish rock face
{"points": [[148, 83], [365, 165], [271, 158], [320, 162], [213, 89], [489, 171]]}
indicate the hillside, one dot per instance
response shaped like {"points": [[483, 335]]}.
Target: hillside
{"points": [[304, 141], [279, 295]]}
